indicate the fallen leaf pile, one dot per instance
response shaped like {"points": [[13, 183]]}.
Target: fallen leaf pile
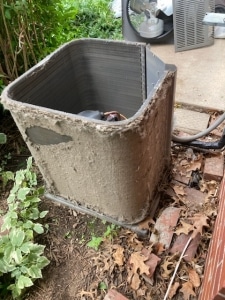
{"points": [[140, 269]]}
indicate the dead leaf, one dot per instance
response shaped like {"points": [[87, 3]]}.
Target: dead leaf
{"points": [[135, 282], [187, 290], [194, 277], [200, 221], [119, 256], [158, 248], [136, 244], [195, 165], [152, 261], [129, 276], [89, 294], [141, 292], [185, 228], [173, 290], [167, 268], [179, 190], [184, 162], [137, 261], [146, 223]]}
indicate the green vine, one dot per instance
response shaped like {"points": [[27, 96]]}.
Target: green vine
{"points": [[21, 259]]}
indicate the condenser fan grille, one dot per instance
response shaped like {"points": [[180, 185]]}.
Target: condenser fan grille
{"points": [[189, 32]]}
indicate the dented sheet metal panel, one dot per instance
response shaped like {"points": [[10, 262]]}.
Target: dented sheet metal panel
{"points": [[113, 168]]}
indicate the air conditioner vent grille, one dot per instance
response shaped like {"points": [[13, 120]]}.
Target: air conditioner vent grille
{"points": [[189, 32]]}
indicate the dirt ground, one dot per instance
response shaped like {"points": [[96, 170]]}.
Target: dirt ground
{"points": [[77, 271]]}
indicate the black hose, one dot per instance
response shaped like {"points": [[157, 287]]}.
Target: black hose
{"points": [[185, 140]]}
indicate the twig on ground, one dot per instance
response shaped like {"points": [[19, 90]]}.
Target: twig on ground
{"points": [[177, 266]]}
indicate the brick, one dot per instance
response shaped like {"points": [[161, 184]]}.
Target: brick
{"points": [[181, 242], [193, 198], [213, 287], [181, 178], [219, 297], [165, 226], [114, 295], [214, 167]]}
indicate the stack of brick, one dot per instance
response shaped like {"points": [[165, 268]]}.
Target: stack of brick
{"points": [[213, 287]]}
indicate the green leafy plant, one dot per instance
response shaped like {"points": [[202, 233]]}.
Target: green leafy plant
{"points": [[3, 138], [94, 19], [102, 286], [110, 233], [5, 175], [30, 30], [21, 259], [95, 242]]}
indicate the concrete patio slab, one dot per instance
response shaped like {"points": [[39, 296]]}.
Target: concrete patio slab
{"points": [[200, 74], [190, 121]]}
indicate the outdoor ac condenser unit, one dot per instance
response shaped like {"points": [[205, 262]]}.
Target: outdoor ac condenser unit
{"points": [[189, 31]]}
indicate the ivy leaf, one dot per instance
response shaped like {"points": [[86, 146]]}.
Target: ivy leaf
{"points": [[16, 273], [16, 236], [22, 193], [23, 282], [43, 214], [18, 180], [29, 163], [42, 262], [37, 249], [34, 272], [7, 223], [25, 248], [38, 228], [34, 214], [17, 256], [28, 224], [13, 214], [16, 291], [11, 198], [5, 267], [8, 252]]}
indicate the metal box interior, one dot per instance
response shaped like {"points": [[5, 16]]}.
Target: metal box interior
{"points": [[112, 169]]}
